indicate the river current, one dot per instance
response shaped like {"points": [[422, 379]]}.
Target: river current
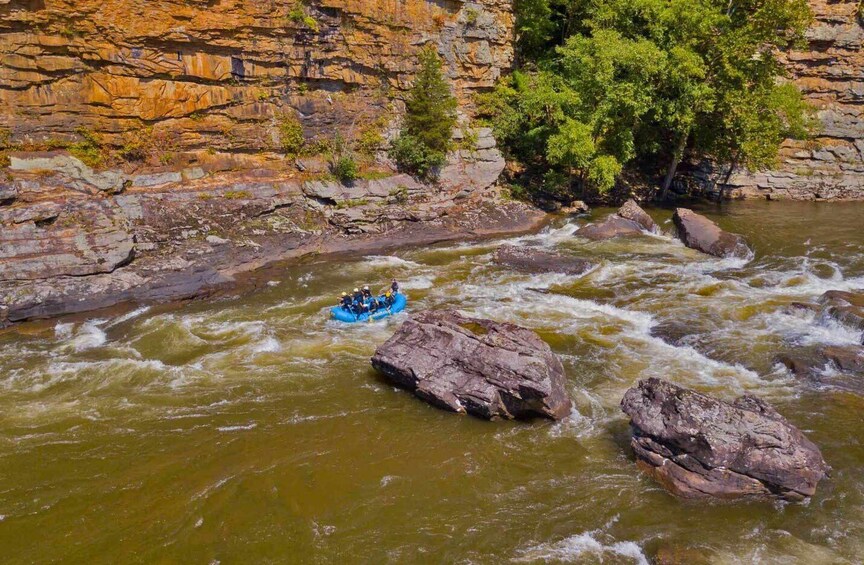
{"points": [[250, 429]]}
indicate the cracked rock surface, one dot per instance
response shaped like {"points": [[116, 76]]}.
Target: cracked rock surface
{"points": [[488, 369], [696, 446]]}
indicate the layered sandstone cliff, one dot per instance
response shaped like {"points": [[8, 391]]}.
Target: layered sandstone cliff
{"points": [[830, 73], [216, 75]]}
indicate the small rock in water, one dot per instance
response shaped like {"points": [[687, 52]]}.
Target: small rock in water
{"points": [[633, 212], [696, 446], [575, 208], [485, 368], [700, 233], [629, 220], [533, 260]]}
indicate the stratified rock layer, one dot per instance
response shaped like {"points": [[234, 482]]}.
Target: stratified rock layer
{"points": [[700, 233], [217, 75], [700, 447], [485, 368]]}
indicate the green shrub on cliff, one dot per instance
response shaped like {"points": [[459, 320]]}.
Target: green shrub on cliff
{"points": [[422, 145], [609, 83], [290, 130], [88, 149]]}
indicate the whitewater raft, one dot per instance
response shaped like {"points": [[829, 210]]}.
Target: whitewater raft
{"points": [[400, 301]]}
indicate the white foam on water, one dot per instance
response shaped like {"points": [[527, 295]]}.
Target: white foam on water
{"points": [[63, 331], [806, 328], [420, 282], [87, 336], [238, 428], [378, 261], [128, 316], [576, 548], [268, 345]]}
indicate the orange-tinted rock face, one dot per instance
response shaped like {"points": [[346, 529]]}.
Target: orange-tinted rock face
{"points": [[830, 72], [216, 72]]}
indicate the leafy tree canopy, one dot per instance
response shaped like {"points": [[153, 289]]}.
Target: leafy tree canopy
{"points": [[606, 83]]}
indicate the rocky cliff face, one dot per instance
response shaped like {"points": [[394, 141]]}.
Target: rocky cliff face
{"points": [[144, 145], [216, 75], [830, 72]]}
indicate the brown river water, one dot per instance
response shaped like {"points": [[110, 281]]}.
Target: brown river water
{"points": [[251, 429]]}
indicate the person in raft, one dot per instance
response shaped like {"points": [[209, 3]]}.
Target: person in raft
{"points": [[359, 305], [367, 294], [346, 302], [394, 286]]}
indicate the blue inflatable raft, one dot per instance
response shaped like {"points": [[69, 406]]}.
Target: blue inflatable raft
{"points": [[343, 315]]}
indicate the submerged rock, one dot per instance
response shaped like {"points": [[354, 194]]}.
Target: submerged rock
{"points": [[533, 260], [845, 307], [697, 446], [485, 368], [629, 220], [834, 366], [700, 233]]}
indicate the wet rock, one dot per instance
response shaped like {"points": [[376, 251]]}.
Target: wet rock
{"points": [[673, 332], [485, 368], [848, 358], [613, 226], [845, 307], [629, 220], [533, 260], [700, 233], [700, 447], [834, 366], [575, 208], [633, 212]]}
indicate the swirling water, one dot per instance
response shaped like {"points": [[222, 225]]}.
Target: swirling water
{"points": [[252, 429]]}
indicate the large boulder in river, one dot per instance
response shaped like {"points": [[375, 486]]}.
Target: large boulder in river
{"points": [[534, 260], [629, 220], [698, 447], [700, 233], [485, 368]]}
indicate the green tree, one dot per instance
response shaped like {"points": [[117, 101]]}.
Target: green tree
{"points": [[430, 115], [648, 81]]}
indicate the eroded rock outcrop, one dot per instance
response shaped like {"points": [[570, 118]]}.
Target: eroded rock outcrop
{"points": [[534, 260], [480, 367], [699, 447], [700, 233], [74, 235], [629, 220]]}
